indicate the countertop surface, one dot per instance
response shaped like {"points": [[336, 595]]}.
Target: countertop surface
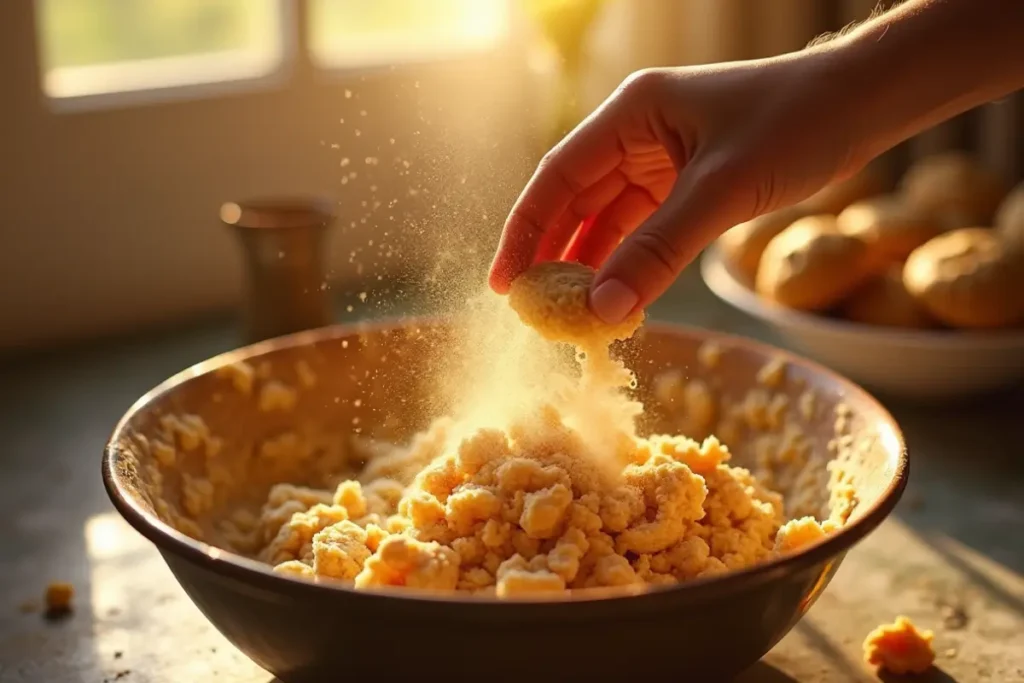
{"points": [[951, 557]]}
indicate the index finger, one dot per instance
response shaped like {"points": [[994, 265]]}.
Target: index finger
{"points": [[583, 158]]}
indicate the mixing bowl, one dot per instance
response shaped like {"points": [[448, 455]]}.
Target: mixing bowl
{"points": [[378, 379], [929, 365]]}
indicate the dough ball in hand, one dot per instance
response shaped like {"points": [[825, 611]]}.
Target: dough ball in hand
{"points": [[968, 278], [743, 245], [889, 225], [552, 298], [811, 266], [885, 301], [954, 189]]}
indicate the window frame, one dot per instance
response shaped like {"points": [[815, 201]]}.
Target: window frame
{"points": [[400, 59], [296, 58], [289, 15]]}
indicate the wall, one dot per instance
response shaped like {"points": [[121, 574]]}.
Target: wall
{"points": [[109, 216]]}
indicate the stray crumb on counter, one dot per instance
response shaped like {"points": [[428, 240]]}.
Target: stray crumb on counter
{"points": [[900, 648], [58, 598]]}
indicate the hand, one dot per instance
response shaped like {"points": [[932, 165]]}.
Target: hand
{"points": [[671, 160]]}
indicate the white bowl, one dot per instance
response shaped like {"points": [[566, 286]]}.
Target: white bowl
{"points": [[917, 364]]}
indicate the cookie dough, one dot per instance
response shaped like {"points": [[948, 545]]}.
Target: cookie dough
{"points": [[811, 266], [744, 244], [885, 301], [891, 228], [968, 278], [552, 298], [899, 648], [953, 188]]}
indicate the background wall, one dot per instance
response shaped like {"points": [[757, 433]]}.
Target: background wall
{"points": [[109, 215]]}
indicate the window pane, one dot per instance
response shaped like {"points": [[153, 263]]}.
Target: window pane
{"points": [[357, 32], [96, 46]]}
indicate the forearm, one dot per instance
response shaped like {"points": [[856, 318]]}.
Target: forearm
{"points": [[925, 62]]}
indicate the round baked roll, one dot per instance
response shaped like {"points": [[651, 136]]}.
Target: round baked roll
{"points": [[1010, 218], [968, 278], [953, 188], [885, 301], [811, 266], [832, 199], [743, 244], [891, 228]]}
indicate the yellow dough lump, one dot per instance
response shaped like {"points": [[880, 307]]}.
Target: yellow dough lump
{"points": [[533, 507], [899, 648], [552, 299]]}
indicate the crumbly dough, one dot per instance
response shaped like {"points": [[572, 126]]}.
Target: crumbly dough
{"points": [[968, 278], [744, 244], [885, 301], [1010, 219], [811, 266], [531, 508], [58, 598], [953, 188], [552, 298], [891, 227], [900, 648]]}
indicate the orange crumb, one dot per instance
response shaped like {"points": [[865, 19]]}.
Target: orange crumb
{"points": [[58, 598], [900, 648]]}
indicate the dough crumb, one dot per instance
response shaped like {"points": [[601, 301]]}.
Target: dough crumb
{"points": [[59, 596], [900, 648]]}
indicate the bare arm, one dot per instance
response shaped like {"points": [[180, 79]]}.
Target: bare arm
{"points": [[927, 61], [676, 157]]}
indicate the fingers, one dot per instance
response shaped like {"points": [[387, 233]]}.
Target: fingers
{"points": [[590, 202], [578, 163], [629, 210], [699, 209]]}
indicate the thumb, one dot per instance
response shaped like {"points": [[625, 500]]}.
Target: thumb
{"points": [[700, 207]]}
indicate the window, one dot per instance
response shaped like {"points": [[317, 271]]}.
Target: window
{"points": [[363, 32], [98, 47]]}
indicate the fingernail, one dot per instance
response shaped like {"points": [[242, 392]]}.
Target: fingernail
{"points": [[612, 300]]}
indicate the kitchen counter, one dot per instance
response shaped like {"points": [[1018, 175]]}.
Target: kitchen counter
{"points": [[951, 557]]}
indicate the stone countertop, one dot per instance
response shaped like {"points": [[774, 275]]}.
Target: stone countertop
{"points": [[951, 557]]}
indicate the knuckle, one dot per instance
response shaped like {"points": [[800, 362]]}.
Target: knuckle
{"points": [[642, 83], [659, 251]]}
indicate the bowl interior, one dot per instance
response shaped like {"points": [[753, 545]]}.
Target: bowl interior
{"points": [[202, 450]]}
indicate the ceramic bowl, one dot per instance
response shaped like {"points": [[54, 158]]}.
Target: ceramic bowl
{"points": [[379, 377], [912, 364]]}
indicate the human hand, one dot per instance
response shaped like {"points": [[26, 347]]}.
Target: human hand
{"points": [[671, 160]]}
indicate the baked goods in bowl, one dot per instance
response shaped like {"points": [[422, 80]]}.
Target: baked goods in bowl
{"points": [[954, 188], [899, 290], [968, 278], [889, 225], [363, 398], [811, 266]]}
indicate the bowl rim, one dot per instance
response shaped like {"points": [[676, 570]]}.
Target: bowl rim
{"points": [[722, 282], [258, 574]]}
